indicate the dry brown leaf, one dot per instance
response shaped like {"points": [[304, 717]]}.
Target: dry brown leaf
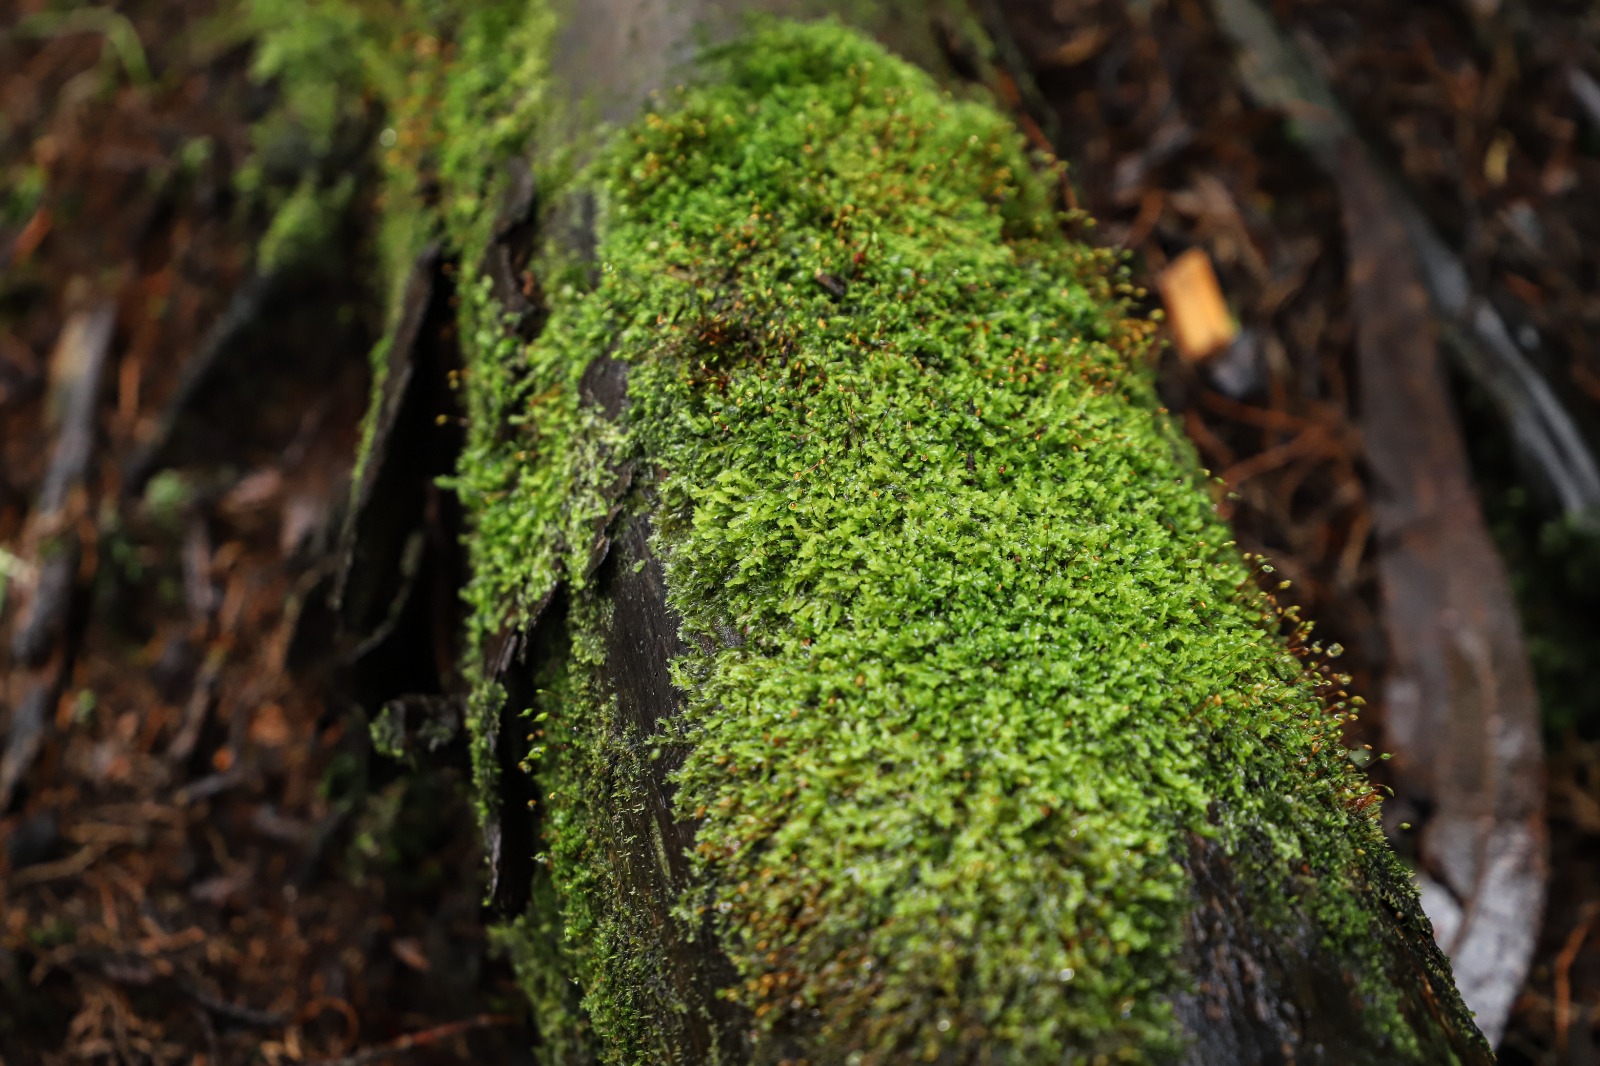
{"points": [[1199, 317]]}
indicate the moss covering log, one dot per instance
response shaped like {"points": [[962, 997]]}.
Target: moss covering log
{"points": [[859, 670]]}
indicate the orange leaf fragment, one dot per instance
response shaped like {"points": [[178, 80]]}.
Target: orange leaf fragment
{"points": [[1201, 324]]}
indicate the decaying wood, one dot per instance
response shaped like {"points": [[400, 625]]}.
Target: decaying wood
{"points": [[53, 546], [1461, 713], [1263, 989], [398, 558]]}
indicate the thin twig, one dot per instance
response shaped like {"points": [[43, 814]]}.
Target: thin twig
{"points": [[1313, 440], [420, 1039], [229, 1010], [71, 866], [1563, 972], [242, 310], [78, 365]]}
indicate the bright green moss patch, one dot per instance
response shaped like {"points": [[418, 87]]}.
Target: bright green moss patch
{"points": [[972, 660], [973, 656]]}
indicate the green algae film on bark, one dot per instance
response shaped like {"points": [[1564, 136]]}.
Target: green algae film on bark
{"points": [[892, 691], [968, 670]]}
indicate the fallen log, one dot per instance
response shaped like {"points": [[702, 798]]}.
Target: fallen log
{"points": [[858, 669]]}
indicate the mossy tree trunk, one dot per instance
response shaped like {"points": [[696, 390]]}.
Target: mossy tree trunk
{"points": [[858, 670]]}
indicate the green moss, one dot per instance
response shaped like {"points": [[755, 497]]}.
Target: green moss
{"points": [[311, 55], [316, 55], [974, 656], [456, 88], [302, 226]]}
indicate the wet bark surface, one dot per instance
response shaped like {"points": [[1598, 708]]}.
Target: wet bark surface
{"points": [[1270, 992]]}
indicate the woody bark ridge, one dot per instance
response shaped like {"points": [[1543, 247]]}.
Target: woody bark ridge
{"points": [[891, 688]]}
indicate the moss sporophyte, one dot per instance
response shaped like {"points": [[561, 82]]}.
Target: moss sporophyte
{"points": [[969, 660]]}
